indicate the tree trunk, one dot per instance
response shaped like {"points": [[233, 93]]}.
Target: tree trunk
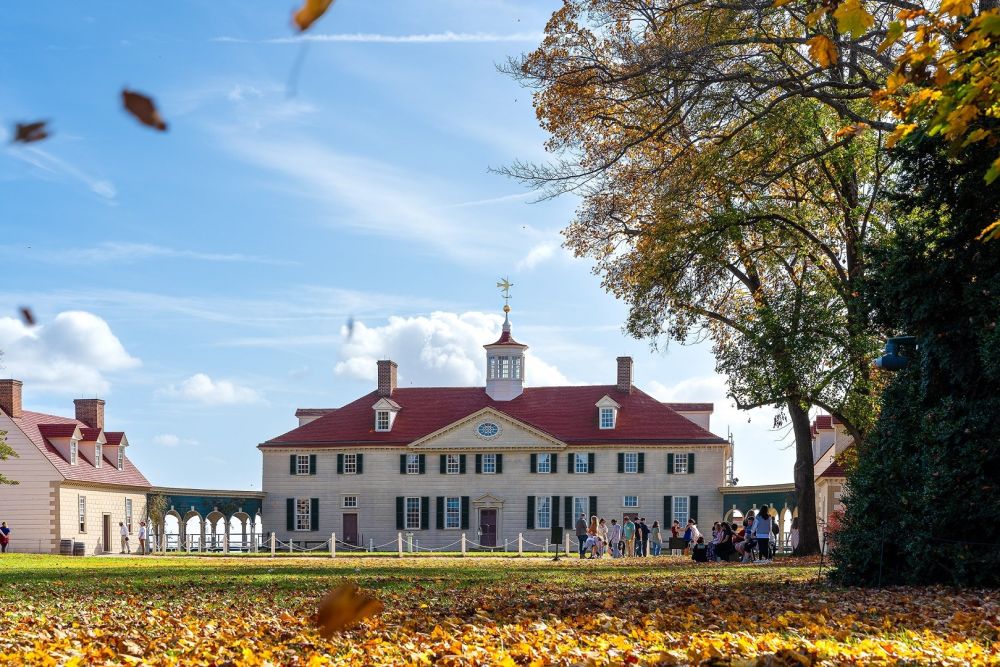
{"points": [[805, 487]]}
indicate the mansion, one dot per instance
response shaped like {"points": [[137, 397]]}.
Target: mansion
{"points": [[491, 462]]}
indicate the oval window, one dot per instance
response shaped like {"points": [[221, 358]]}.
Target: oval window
{"points": [[488, 430]]}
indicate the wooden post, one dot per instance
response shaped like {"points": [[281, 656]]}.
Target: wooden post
{"points": [[463, 544], [272, 544], [546, 545], [291, 545], [333, 545], [520, 544], [399, 544], [566, 547]]}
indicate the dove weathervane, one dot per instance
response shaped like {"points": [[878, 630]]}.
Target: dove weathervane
{"points": [[504, 284]]}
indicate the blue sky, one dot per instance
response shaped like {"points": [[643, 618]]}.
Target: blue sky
{"points": [[201, 281]]}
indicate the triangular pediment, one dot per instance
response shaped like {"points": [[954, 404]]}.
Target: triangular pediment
{"points": [[387, 404], [488, 499], [608, 402], [466, 433]]}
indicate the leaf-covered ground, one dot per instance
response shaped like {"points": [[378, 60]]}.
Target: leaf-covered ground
{"points": [[450, 611]]}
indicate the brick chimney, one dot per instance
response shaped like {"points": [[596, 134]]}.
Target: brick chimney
{"points": [[386, 377], [625, 375], [90, 411], [10, 398]]}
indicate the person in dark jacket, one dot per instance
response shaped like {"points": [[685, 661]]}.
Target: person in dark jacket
{"points": [[581, 532], [643, 537]]}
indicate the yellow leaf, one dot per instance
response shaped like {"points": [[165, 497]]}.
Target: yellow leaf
{"points": [[990, 233], [894, 82], [974, 136], [813, 17], [892, 34], [899, 133], [853, 18], [852, 130], [956, 7], [309, 12], [344, 606], [823, 50], [781, 3]]}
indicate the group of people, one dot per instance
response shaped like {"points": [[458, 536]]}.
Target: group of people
{"points": [[629, 538], [124, 532], [755, 541]]}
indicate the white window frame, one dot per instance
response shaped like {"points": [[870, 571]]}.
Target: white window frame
{"points": [[350, 502], [81, 513], [543, 512], [413, 464], [98, 454], [413, 513], [504, 368], [121, 458], [493, 373], [303, 514], [631, 462], [74, 452], [625, 502], [128, 514], [607, 417], [350, 464], [581, 505], [581, 463], [680, 514], [548, 464], [489, 464], [383, 421], [516, 368], [453, 512], [452, 464], [681, 464], [301, 464]]}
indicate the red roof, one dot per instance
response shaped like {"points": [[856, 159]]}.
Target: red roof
{"points": [[114, 438], [834, 470], [506, 339], [691, 407], [38, 427], [568, 414], [90, 434], [823, 422]]}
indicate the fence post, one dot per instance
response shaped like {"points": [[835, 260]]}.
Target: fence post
{"points": [[505, 545], [272, 544], [520, 544], [225, 541], [399, 545], [371, 545], [566, 547], [463, 544], [409, 542], [333, 545], [291, 545], [546, 545]]}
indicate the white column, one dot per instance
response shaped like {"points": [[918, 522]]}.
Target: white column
{"points": [[272, 544], [333, 545], [225, 536], [520, 544], [399, 544], [463, 544]]}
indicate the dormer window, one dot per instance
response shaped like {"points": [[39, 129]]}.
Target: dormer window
{"points": [[381, 420], [607, 417], [607, 413], [385, 413], [121, 458], [73, 452], [98, 454]]}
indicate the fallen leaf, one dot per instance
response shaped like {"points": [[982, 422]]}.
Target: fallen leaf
{"points": [[309, 13], [26, 133], [345, 606], [823, 50], [27, 316], [143, 108]]}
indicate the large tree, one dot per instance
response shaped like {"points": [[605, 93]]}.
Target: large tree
{"points": [[728, 159]]}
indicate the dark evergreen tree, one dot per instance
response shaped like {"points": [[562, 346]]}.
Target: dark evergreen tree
{"points": [[922, 502]]}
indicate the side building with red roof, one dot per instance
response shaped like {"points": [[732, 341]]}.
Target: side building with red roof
{"points": [[74, 479], [491, 462]]}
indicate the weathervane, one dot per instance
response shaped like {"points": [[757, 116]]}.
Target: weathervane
{"points": [[504, 284]]}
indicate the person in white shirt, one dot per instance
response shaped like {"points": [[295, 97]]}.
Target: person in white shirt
{"points": [[614, 538], [142, 538], [123, 530], [762, 531]]}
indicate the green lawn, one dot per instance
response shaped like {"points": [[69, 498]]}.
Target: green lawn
{"points": [[155, 610]]}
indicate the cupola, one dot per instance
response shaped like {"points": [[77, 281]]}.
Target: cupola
{"points": [[505, 359]]}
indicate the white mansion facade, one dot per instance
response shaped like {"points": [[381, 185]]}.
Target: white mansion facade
{"points": [[490, 462]]}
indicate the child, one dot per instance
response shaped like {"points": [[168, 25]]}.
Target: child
{"points": [[700, 551]]}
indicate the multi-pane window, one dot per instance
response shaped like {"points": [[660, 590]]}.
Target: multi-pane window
{"points": [[580, 463], [350, 464], [631, 462], [121, 458], [82, 513], [544, 463], [504, 368], [350, 501], [98, 454], [381, 420], [128, 514], [681, 509], [489, 464], [543, 512], [517, 368], [303, 514], [73, 449], [413, 464], [452, 512], [580, 506], [301, 464], [681, 464], [607, 417], [413, 513], [453, 464], [631, 501], [493, 368]]}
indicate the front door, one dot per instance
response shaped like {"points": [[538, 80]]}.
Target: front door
{"points": [[107, 534], [488, 527], [351, 529]]}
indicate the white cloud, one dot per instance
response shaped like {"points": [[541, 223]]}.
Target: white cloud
{"points": [[447, 37], [51, 166], [442, 349], [200, 388], [68, 355], [125, 252], [171, 440], [536, 256]]}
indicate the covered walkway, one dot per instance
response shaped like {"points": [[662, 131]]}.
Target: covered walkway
{"points": [[199, 513]]}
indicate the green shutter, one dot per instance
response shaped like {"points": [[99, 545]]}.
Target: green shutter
{"points": [[534, 463], [693, 508], [292, 470], [399, 513], [461, 464], [593, 506], [621, 462], [591, 468], [568, 511], [479, 463], [425, 512], [360, 458], [571, 463], [668, 511], [440, 512], [423, 468], [314, 514], [340, 464], [670, 464], [312, 464], [691, 463], [530, 524], [465, 512], [554, 520], [553, 460], [642, 462], [402, 464], [499, 458], [291, 514], [444, 464]]}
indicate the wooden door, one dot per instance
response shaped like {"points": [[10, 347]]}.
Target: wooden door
{"points": [[107, 534], [488, 527], [351, 529]]}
